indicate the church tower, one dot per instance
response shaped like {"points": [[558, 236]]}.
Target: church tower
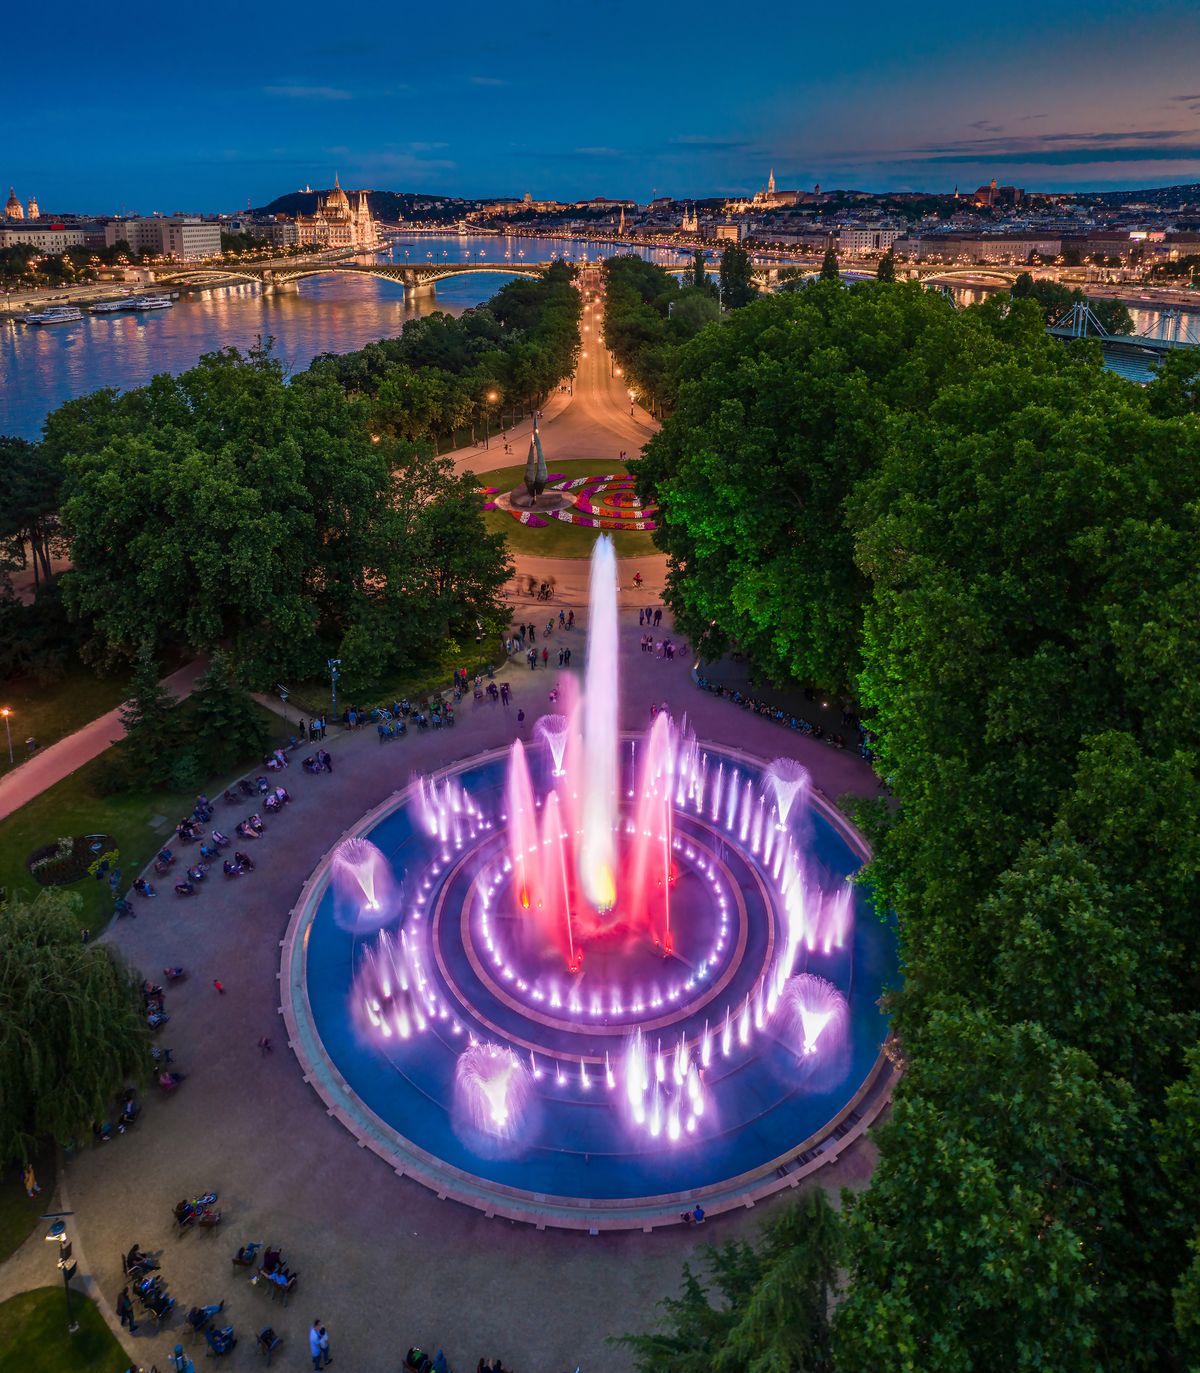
{"points": [[771, 182], [34, 211], [621, 225]]}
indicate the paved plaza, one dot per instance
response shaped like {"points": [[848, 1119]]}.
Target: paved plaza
{"points": [[381, 1260]]}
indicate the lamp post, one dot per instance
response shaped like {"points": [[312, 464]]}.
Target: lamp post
{"points": [[334, 664], [7, 713], [487, 431], [66, 1264]]}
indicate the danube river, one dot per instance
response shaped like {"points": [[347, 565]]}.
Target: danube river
{"points": [[40, 367]]}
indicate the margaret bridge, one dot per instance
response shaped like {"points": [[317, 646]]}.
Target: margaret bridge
{"points": [[282, 274]]}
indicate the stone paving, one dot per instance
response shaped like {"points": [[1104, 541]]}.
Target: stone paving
{"points": [[381, 1260]]}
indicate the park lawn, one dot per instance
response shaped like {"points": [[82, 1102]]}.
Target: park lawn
{"points": [[50, 713], [559, 540], [34, 1338], [74, 806], [18, 1212]]}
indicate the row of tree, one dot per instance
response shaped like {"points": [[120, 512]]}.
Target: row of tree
{"points": [[991, 541], [444, 375]]}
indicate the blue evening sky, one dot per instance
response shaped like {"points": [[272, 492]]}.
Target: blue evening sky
{"points": [[205, 106]]}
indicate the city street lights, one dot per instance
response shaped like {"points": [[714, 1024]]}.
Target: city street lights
{"points": [[7, 713]]}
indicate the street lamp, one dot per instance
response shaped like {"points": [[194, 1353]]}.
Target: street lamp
{"points": [[66, 1264], [492, 398], [7, 713], [334, 665]]}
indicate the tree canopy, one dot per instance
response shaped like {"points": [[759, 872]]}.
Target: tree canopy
{"points": [[72, 1027], [990, 542]]}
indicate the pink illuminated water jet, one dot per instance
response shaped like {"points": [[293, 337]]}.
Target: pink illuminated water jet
{"points": [[813, 1015], [790, 782]]}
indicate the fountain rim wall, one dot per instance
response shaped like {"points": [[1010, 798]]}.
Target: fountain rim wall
{"points": [[543, 1210]]}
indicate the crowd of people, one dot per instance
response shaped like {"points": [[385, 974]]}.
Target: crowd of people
{"points": [[814, 729]]}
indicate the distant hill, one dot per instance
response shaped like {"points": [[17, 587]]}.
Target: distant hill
{"points": [[1188, 194], [389, 206]]}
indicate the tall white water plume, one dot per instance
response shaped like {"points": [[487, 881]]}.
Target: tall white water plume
{"points": [[597, 849]]}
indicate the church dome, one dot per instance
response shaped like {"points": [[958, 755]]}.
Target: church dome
{"points": [[337, 199], [14, 209]]}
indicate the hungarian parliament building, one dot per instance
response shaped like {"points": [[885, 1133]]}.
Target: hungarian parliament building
{"points": [[338, 222]]}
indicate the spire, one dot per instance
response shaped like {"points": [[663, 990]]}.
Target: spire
{"points": [[771, 182], [337, 185]]}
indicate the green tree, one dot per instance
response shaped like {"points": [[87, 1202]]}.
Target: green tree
{"points": [[30, 484], [699, 272], [760, 555], [774, 1301], [225, 726], [737, 277], [886, 271], [152, 726], [72, 1028], [829, 265]]}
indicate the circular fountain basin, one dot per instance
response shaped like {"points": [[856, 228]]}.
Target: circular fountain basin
{"points": [[751, 1107]]}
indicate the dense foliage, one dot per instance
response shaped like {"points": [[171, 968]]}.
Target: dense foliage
{"points": [[443, 373], [224, 506], [647, 315], [72, 1030], [774, 1302], [992, 541]]}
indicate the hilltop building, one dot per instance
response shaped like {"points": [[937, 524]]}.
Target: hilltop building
{"points": [[988, 197], [336, 223], [691, 221]]}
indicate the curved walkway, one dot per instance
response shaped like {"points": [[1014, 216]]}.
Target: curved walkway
{"points": [[59, 760], [381, 1260]]}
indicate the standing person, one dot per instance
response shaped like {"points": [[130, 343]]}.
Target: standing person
{"points": [[545, 657], [125, 1311], [29, 1178], [571, 620], [532, 657], [314, 1344], [641, 618], [566, 657], [325, 1354]]}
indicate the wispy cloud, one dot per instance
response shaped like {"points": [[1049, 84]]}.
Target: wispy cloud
{"points": [[599, 152], [703, 140], [986, 126], [487, 81], [309, 92]]}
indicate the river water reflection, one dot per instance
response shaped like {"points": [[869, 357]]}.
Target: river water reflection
{"points": [[42, 367]]}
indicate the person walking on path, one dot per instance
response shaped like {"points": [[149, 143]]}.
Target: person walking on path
{"points": [[325, 1354], [29, 1178], [125, 1311], [545, 657]]}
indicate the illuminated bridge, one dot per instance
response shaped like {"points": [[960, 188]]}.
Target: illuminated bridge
{"points": [[283, 273]]}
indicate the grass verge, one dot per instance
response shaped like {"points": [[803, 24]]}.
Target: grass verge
{"points": [[560, 540], [50, 713], [18, 1212], [34, 1338]]}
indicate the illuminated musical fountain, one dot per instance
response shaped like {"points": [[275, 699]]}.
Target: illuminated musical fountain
{"points": [[600, 972]]}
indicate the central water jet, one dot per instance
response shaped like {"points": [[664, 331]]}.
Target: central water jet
{"points": [[597, 860]]}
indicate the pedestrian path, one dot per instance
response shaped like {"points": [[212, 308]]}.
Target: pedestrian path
{"points": [[59, 760]]}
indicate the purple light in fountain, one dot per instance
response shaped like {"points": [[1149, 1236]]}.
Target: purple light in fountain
{"points": [[790, 782], [364, 890], [493, 1090], [813, 1016]]}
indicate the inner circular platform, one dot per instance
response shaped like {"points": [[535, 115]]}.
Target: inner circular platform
{"points": [[655, 1073]]}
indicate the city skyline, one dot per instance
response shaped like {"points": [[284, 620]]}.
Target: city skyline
{"points": [[687, 105]]}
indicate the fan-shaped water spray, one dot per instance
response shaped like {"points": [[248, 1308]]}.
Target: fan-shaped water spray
{"points": [[790, 782]]}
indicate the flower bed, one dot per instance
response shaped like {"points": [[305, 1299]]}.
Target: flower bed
{"points": [[606, 502], [64, 862]]}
